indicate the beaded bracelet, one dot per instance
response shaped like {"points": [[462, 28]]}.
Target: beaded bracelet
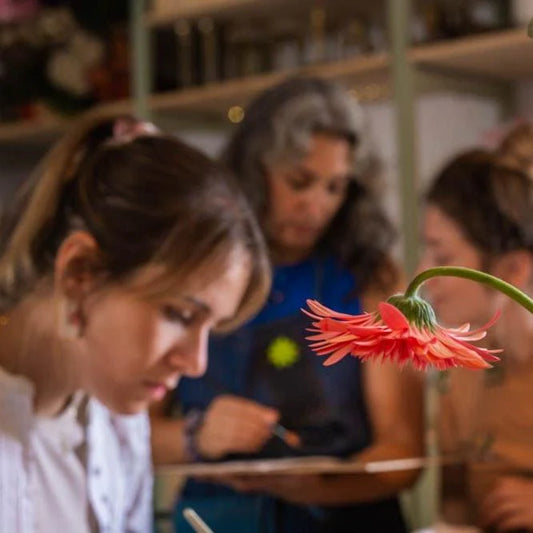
{"points": [[193, 421]]}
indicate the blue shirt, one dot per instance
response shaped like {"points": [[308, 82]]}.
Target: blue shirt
{"points": [[235, 360], [324, 405]]}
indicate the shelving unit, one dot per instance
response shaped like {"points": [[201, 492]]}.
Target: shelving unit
{"points": [[50, 124], [224, 9], [502, 56], [506, 55], [197, 8], [31, 128], [357, 72]]}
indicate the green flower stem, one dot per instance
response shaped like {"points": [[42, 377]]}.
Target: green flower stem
{"points": [[475, 275]]}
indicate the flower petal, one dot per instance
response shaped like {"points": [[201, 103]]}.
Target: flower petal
{"points": [[337, 355], [392, 316]]}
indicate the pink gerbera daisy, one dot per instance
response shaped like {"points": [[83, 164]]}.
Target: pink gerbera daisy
{"points": [[390, 334]]}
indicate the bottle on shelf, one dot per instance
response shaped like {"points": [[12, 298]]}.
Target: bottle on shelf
{"points": [[246, 50], [111, 80], [354, 38], [208, 49], [165, 59], [177, 56], [314, 48], [285, 43], [453, 19], [425, 23], [377, 35]]}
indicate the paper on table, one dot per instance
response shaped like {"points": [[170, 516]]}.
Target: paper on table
{"points": [[441, 527], [302, 465]]}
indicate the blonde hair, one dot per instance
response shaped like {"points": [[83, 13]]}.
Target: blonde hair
{"points": [[40, 196], [145, 199]]}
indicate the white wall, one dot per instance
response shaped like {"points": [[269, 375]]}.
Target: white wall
{"points": [[524, 99], [446, 123]]}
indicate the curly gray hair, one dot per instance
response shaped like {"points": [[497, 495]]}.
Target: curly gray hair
{"points": [[277, 129], [279, 124]]}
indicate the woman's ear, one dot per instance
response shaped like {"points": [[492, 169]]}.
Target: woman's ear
{"points": [[77, 267], [516, 268]]}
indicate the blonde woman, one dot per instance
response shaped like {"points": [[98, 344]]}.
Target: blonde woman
{"points": [[118, 259]]}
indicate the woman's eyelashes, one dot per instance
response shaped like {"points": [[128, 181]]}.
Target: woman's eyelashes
{"points": [[338, 187], [299, 182], [442, 258], [183, 316]]}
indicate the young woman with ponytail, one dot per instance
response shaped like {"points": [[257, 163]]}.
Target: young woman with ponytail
{"points": [[120, 255]]}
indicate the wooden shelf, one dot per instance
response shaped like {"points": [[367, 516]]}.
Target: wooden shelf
{"points": [[30, 129], [368, 73], [198, 8], [225, 9], [358, 73], [49, 125], [505, 55]]}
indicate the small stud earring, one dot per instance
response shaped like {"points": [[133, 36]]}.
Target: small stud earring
{"points": [[72, 320]]}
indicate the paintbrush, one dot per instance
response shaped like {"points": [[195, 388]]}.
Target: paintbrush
{"points": [[290, 438], [194, 520]]}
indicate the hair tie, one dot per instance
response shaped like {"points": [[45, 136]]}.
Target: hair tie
{"points": [[125, 129]]}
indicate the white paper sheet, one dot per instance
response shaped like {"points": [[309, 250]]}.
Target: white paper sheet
{"points": [[301, 465]]}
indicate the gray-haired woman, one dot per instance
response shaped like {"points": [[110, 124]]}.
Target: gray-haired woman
{"points": [[294, 155]]}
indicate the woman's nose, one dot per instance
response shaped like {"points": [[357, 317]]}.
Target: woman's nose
{"points": [[316, 206], [190, 357]]}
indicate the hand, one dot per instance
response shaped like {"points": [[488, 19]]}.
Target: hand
{"points": [[509, 505], [234, 425]]}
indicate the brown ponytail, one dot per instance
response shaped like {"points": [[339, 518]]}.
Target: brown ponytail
{"points": [[144, 198]]}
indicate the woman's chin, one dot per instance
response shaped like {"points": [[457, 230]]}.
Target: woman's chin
{"points": [[128, 406]]}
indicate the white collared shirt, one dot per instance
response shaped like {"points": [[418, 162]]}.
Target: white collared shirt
{"points": [[60, 499], [118, 472]]}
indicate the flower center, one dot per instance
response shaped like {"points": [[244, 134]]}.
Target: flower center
{"points": [[416, 310]]}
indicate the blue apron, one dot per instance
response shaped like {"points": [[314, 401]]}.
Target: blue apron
{"points": [[269, 361]]}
